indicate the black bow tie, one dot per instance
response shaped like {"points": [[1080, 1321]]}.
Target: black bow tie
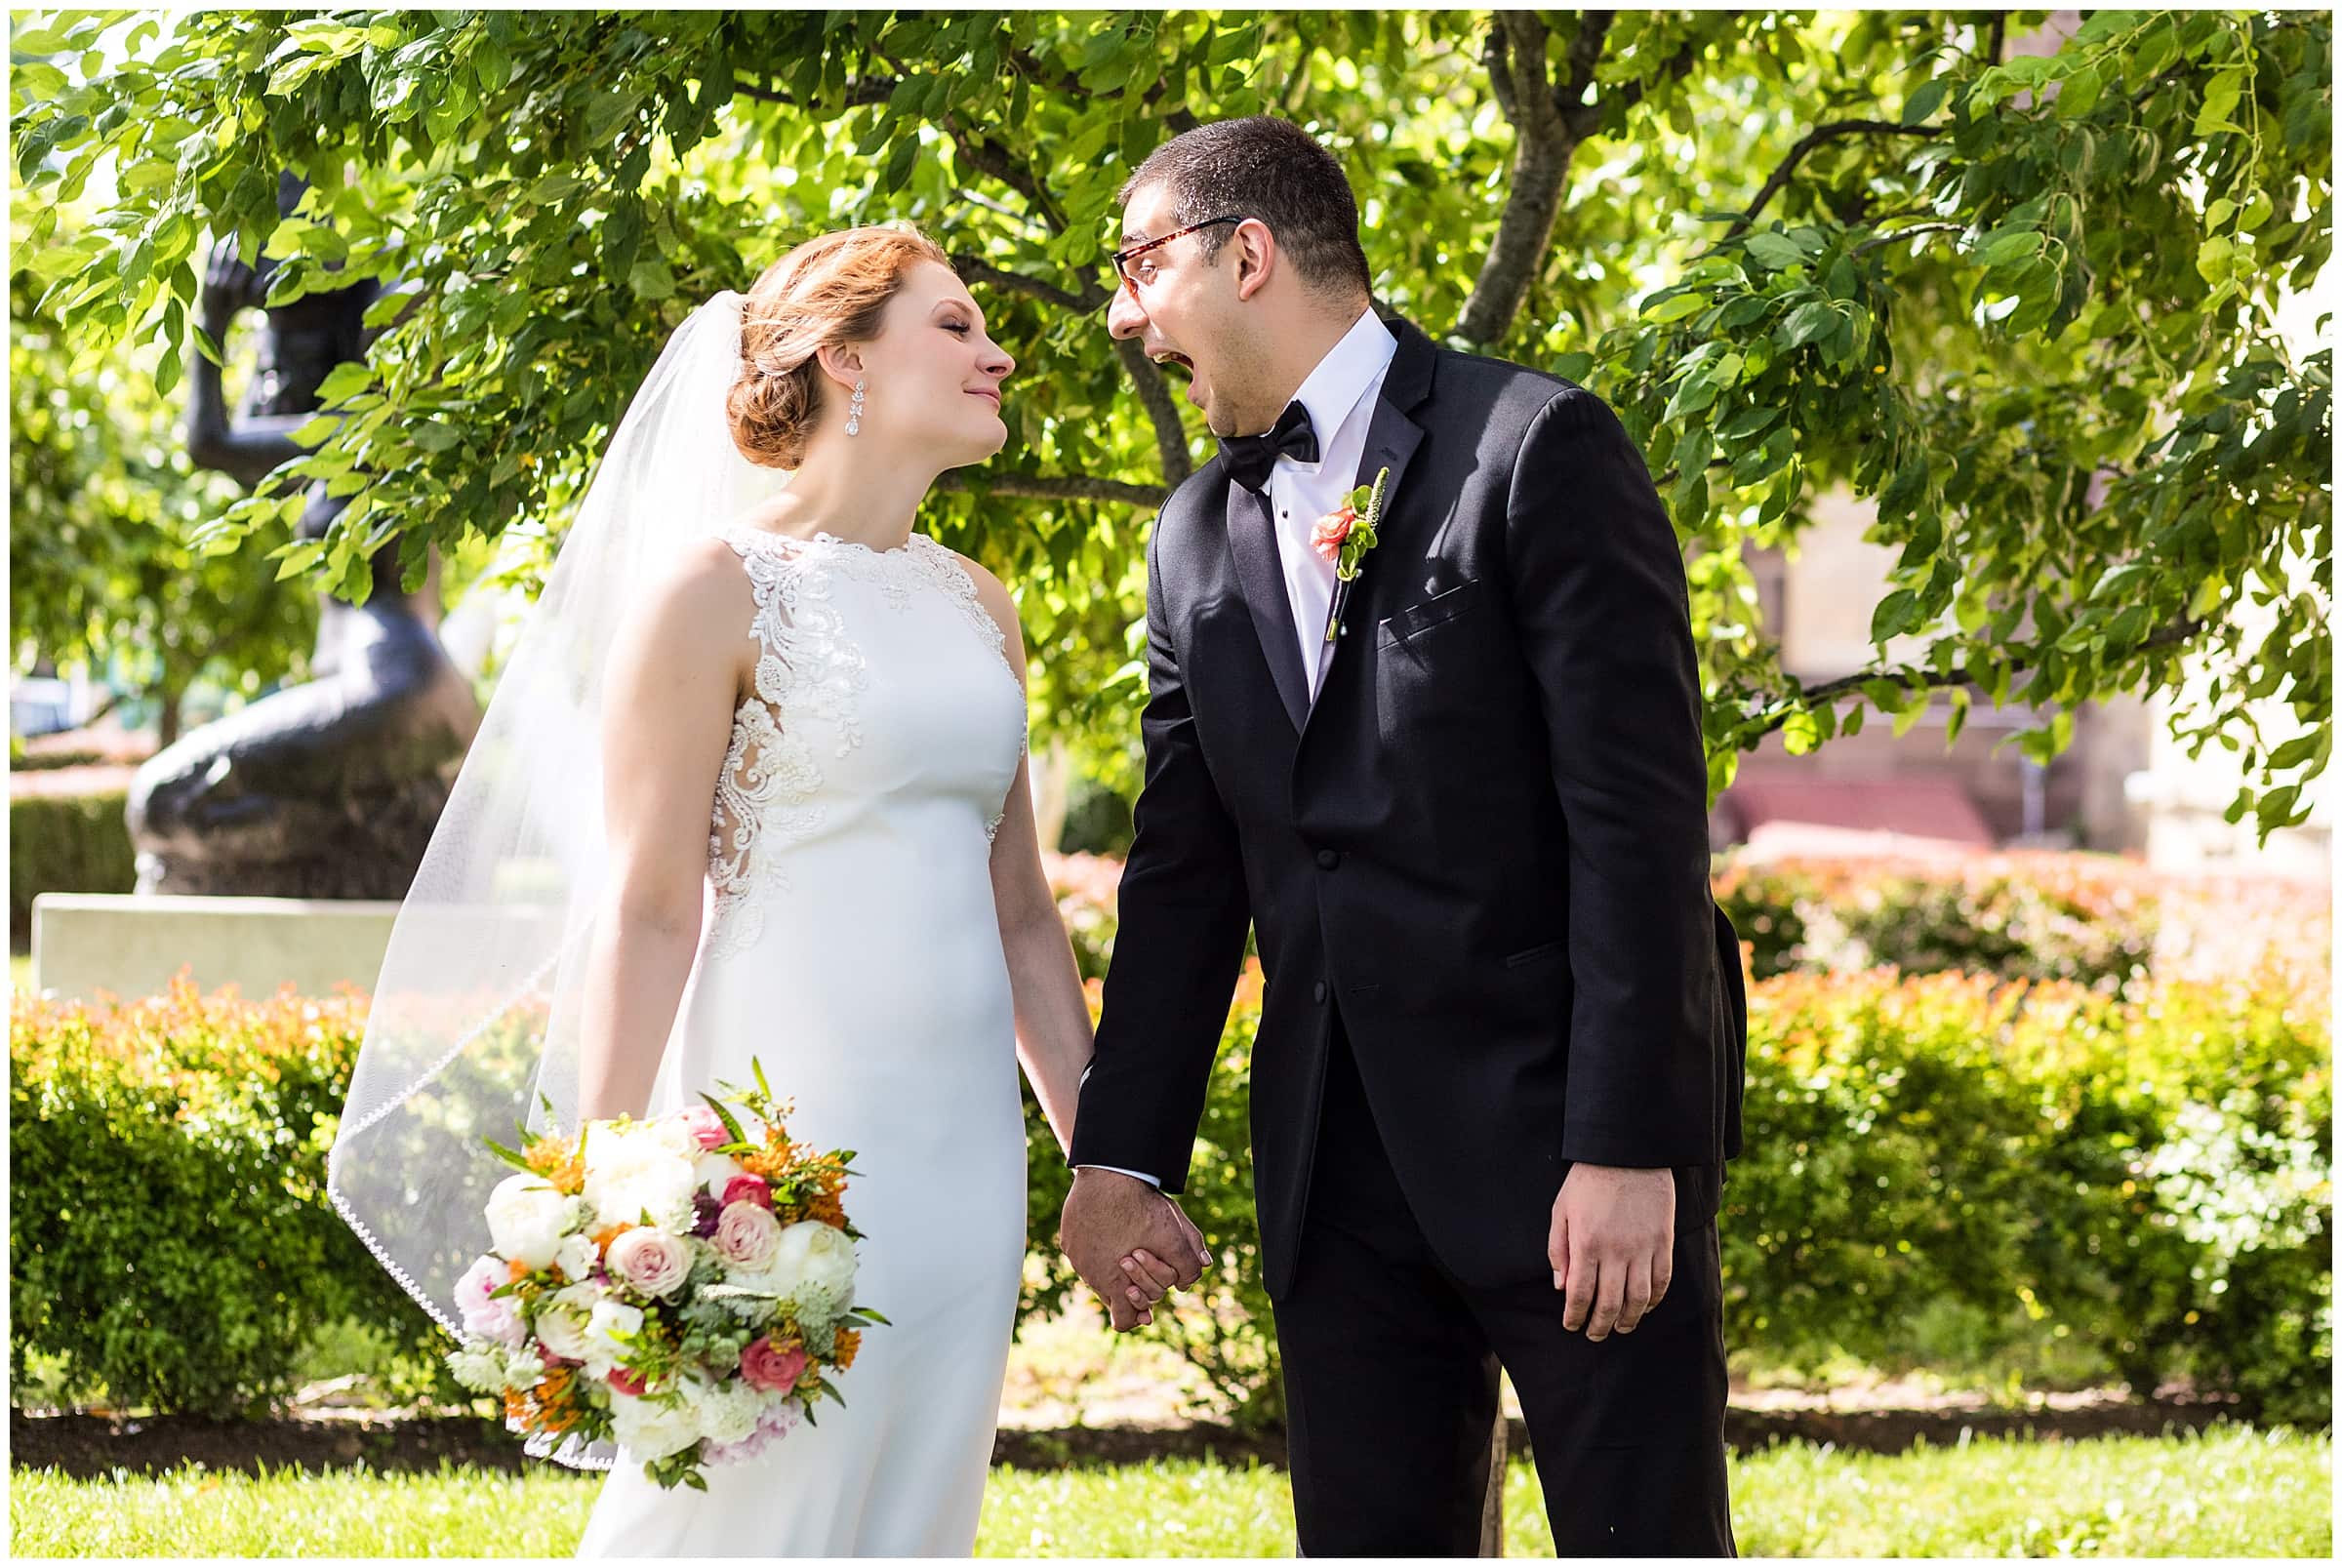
{"points": [[1251, 457]]}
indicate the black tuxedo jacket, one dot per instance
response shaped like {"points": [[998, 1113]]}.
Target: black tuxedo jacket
{"points": [[1486, 842]]}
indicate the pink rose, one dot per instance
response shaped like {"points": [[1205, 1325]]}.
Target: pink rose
{"points": [[1332, 530], [490, 1318], [747, 1237], [748, 1189], [651, 1260], [627, 1382], [706, 1126], [766, 1365]]}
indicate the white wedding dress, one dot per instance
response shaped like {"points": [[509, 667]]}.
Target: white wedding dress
{"points": [[854, 949]]}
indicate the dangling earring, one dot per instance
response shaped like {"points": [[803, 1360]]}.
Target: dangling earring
{"points": [[854, 412]]}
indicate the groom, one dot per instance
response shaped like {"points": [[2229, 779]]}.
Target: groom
{"points": [[1462, 800]]}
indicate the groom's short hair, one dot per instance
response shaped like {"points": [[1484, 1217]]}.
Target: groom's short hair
{"points": [[1273, 169]]}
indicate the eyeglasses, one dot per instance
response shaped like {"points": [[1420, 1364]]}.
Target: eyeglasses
{"points": [[1145, 273]]}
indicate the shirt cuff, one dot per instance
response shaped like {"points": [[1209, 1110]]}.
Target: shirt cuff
{"points": [[1151, 1181]]}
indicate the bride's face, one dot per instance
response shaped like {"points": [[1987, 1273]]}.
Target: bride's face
{"points": [[934, 373]]}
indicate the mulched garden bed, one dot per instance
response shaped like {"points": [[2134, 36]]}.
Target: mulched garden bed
{"points": [[91, 1446]]}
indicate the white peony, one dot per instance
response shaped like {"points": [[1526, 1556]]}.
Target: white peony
{"points": [[525, 1219], [641, 1172], [811, 1253], [651, 1428]]}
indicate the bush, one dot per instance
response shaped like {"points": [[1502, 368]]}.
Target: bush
{"points": [[2081, 919], [66, 843], [2133, 1187], [171, 1239], [1940, 1169]]}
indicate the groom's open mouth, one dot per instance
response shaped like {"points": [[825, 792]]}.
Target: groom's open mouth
{"points": [[1170, 358]]}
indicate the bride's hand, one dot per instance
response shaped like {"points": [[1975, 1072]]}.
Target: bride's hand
{"points": [[1149, 1280]]}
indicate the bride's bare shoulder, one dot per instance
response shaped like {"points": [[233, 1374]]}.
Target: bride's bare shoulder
{"points": [[699, 601]]}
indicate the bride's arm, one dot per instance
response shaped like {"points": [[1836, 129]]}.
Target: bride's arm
{"points": [[667, 702], [1053, 1017]]}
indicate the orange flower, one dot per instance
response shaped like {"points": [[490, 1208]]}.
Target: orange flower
{"points": [[1331, 531], [849, 1341]]}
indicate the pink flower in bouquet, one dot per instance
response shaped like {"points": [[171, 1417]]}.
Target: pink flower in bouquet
{"points": [[747, 1235], [489, 1318], [765, 1365], [627, 1382], [779, 1418], [707, 1127], [651, 1260], [748, 1189]]}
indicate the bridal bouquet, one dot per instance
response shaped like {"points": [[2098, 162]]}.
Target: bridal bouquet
{"points": [[683, 1285]]}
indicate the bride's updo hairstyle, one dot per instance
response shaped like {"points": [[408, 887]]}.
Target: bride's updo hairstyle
{"points": [[829, 290]]}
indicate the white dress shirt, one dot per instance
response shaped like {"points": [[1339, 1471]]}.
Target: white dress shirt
{"points": [[1340, 396]]}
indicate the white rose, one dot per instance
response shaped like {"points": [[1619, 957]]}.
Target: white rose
{"points": [[562, 1317], [711, 1171], [811, 1253], [525, 1218], [576, 1255], [609, 1329]]}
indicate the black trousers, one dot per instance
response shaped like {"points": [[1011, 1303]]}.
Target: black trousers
{"points": [[1390, 1377]]}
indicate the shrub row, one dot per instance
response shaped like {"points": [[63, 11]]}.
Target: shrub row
{"points": [[66, 843], [1939, 1168]]}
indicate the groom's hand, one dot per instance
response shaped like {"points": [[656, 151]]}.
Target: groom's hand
{"points": [[1109, 1217], [1612, 1245]]}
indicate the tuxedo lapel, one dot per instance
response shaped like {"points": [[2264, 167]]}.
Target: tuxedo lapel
{"points": [[1261, 578], [1392, 437]]}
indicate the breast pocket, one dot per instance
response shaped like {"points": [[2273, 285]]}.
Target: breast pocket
{"points": [[1439, 610]]}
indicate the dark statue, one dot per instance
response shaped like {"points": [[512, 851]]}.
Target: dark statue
{"points": [[329, 790]]}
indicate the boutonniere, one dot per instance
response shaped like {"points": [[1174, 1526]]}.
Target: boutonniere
{"points": [[1344, 535]]}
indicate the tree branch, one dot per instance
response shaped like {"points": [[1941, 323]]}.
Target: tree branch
{"points": [[1812, 140], [1550, 120], [1542, 145], [1162, 409], [1877, 240], [1830, 691], [973, 269], [1051, 487]]}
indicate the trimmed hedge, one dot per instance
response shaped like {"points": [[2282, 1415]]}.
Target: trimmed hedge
{"points": [[1940, 1169], [66, 843], [171, 1239]]}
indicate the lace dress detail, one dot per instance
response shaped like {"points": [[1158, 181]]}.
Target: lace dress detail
{"points": [[807, 666]]}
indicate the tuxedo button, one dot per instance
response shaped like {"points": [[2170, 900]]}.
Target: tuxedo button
{"points": [[1329, 858], [1319, 994]]}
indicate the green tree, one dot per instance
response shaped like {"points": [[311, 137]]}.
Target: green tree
{"points": [[103, 503], [2024, 301]]}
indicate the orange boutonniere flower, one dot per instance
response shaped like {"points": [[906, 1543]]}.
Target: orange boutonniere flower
{"points": [[1344, 535]]}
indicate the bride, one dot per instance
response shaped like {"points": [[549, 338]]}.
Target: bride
{"points": [[754, 783]]}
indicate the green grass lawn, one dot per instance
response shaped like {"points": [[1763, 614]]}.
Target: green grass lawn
{"points": [[2228, 1493]]}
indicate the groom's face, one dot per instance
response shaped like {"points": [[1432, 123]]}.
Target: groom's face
{"points": [[1183, 309]]}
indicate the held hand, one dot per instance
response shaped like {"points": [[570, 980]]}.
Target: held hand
{"points": [[1612, 1245], [1110, 1219]]}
